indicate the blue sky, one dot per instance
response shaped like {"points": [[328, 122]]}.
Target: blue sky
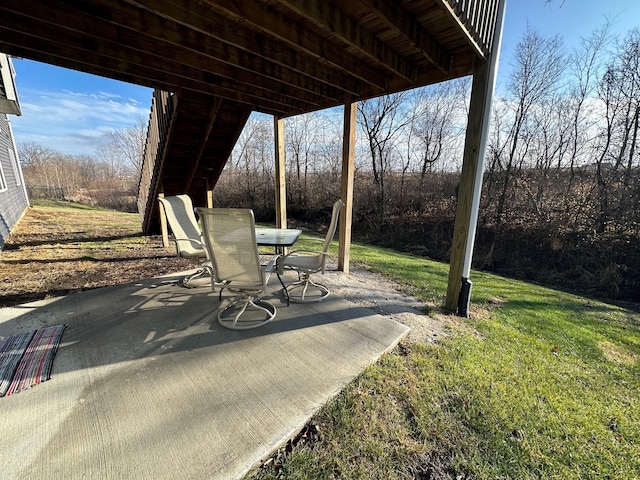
{"points": [[68, 111]]}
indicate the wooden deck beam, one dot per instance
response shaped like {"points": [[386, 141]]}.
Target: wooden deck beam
{"points": [[346, 185], [281, 185]]}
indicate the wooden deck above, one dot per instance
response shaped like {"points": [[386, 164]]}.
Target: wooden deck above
{"points": [[276, 56], [219, 60]]}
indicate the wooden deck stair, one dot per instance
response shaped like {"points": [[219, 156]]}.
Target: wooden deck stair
{"points": [[191, 136]]}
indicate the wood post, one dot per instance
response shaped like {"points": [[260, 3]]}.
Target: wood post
{"points": [[470, 187], [281, 189], [209, 195], [346, 185], [163, 223], [465, 188]]}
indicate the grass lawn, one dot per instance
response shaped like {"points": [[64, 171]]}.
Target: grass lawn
{"points": [[61, 247], [537, 384]]}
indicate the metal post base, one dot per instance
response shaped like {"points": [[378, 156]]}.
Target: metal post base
{"points": [[464, 298]]}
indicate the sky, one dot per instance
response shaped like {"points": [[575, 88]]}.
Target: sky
{"points": [[69, 111]]}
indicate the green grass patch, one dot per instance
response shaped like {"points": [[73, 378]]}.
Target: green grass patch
{"points": [[64, 205], [543, 384]]}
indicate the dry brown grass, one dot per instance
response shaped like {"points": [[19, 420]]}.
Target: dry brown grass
{"points": [[61, 247]]}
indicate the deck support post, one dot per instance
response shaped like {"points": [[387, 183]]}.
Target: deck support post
{"points": [[346, 185], [470, 187], [164, 229], [209, 194], [281, 189]]}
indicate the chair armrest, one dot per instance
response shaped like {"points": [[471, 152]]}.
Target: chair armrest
{"points": [[314, 260], [306, 252], [274, 264]]}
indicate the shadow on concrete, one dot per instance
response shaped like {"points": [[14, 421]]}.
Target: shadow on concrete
{"points": [[146, 384]]}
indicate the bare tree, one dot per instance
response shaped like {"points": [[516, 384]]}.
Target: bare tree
{"points": [[248, 176], [125, 146], [537, 68], [440, 121], [302, 133], [617, 157], [50, 173], [382, 120]]}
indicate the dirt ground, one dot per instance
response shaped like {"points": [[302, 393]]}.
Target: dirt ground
{"points": [[55, 252], [385, 297]]}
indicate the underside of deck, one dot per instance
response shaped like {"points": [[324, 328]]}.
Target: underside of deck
{"points": [[219, 60]]}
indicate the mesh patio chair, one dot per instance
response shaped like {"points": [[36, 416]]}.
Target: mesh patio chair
{"points": [[186, 232], [230, 240], [307, 262]]}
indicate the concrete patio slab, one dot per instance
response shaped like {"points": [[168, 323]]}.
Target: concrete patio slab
{"points": [[146, 384]]}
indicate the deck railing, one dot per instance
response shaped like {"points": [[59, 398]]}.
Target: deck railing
{"points": [[479, 18], [162, 108]]}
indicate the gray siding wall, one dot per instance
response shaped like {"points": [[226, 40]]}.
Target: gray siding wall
{"points": [[13, 200]]}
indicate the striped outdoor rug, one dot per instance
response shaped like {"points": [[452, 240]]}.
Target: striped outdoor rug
{"points": [[26, 358]]}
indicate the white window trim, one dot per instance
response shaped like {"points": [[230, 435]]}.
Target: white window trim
{"points": [[15, 166], [3, 180]]}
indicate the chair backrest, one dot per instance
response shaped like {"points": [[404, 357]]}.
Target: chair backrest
{"points": [[229, 236], [337, 206], [183, 224]]}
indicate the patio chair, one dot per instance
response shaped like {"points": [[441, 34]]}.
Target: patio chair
{"points": [[307, 262], [186, 233], [230, 240]]}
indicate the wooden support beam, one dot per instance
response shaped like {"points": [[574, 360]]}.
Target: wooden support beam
{"points": [[454, 14], [163, 223], [346, 185], [209, 194], [213, 113], [470, 188], [281, 188], [406, 25], [467, 181], [337, 24], [69, 55], [262, 16], [162, 38]]}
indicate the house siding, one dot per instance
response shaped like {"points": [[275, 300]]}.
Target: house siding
{"points": [[13, 200]]}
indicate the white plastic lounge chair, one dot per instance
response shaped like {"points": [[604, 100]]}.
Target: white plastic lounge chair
{"points": [[229, 237], [307, 262], [186, 233]]}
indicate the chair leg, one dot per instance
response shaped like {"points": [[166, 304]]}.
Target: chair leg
{"points": [[205, 269], [199, 273], [284, 287], [248, 305], [304, 282]]}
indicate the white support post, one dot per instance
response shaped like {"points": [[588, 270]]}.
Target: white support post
{"points": [[484, 81]]}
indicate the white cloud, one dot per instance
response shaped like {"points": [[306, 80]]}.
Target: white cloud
{"points": [[71, 121]]}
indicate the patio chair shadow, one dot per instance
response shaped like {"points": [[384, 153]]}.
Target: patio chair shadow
{"points": [[147, 384], [66, 238], [150, 318]]}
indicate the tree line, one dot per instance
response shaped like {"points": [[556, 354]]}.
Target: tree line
{"points": [[108, 179], [561, 191]]}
